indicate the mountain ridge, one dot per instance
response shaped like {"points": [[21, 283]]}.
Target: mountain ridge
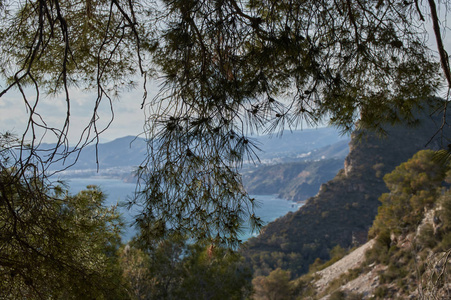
{"points": [[120, 157], [344, 208]]}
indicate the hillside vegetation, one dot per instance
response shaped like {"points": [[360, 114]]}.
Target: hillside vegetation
{"points": [[408, 255], [345, 207]]}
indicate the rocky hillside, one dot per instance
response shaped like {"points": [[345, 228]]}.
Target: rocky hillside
{"points": [[338, 276], [344, 208], [296, 181], [297, 175], [410, 254]]}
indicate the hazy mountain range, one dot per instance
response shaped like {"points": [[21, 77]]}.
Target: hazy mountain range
{"points": [[120, 157]]}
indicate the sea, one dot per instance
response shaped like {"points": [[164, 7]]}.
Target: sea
{"points": [[117, 191]]}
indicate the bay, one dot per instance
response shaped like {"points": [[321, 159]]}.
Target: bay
{"points": [[117, 191]]}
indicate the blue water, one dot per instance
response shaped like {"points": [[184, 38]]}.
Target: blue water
{"points": [[117, 191]]}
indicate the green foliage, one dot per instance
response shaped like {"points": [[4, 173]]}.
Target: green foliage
{"points": [[316, 266], [55, 245], [227, 69], [426, 237], [413, 186], [392, 273], [338, 295], [69, 41], [403, 269], [445, 213], [446, 241], [437, 236], [304, 287], [409, 244], [334, 285], [271, 260], [381, 292], [350, 199], [136, 272], [175, 269], [336, 253], [378, 254], [274, 286], [214, 273]]}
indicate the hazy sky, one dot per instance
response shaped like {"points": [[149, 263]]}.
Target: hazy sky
{"points": [[129, 117]]}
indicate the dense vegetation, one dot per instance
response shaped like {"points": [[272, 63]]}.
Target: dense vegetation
{"points": [[54, 245], [65, 248], [412, 229], [412, 242], [71, 249], [227, 69], [176, 269]]}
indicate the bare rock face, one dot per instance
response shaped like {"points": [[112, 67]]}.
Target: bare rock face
{"points": [[428, 278], [348, 165], [350, 261]]}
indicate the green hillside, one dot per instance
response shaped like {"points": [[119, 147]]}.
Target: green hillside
{"points": [[408, 255], [345, 207]]}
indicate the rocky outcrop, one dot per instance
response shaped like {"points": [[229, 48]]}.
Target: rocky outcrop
{"points": [[350, 261], [295, 181], [430, 278]]}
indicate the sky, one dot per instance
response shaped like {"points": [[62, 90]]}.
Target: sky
{"points": [[129, 117]]}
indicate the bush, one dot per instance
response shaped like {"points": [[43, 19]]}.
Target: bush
{"points": [[426, 237], [413, 186], [354, 296], [379, 252], [338, 295], [446, 242], [381, 292], [274, 286]]}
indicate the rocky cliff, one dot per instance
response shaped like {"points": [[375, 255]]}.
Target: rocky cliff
{"points": [[409, 255], [296, 181], [344, 208]]}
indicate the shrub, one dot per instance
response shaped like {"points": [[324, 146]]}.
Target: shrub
{"points": [[413, 186], [426, 237], [338, 295], [381, 292]]}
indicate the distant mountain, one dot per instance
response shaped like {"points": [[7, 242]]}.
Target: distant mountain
{"points": [[122, 152], [345, 207], [301, 145], [117, 158], [299, 176], [120, 157], [295, 181]]}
